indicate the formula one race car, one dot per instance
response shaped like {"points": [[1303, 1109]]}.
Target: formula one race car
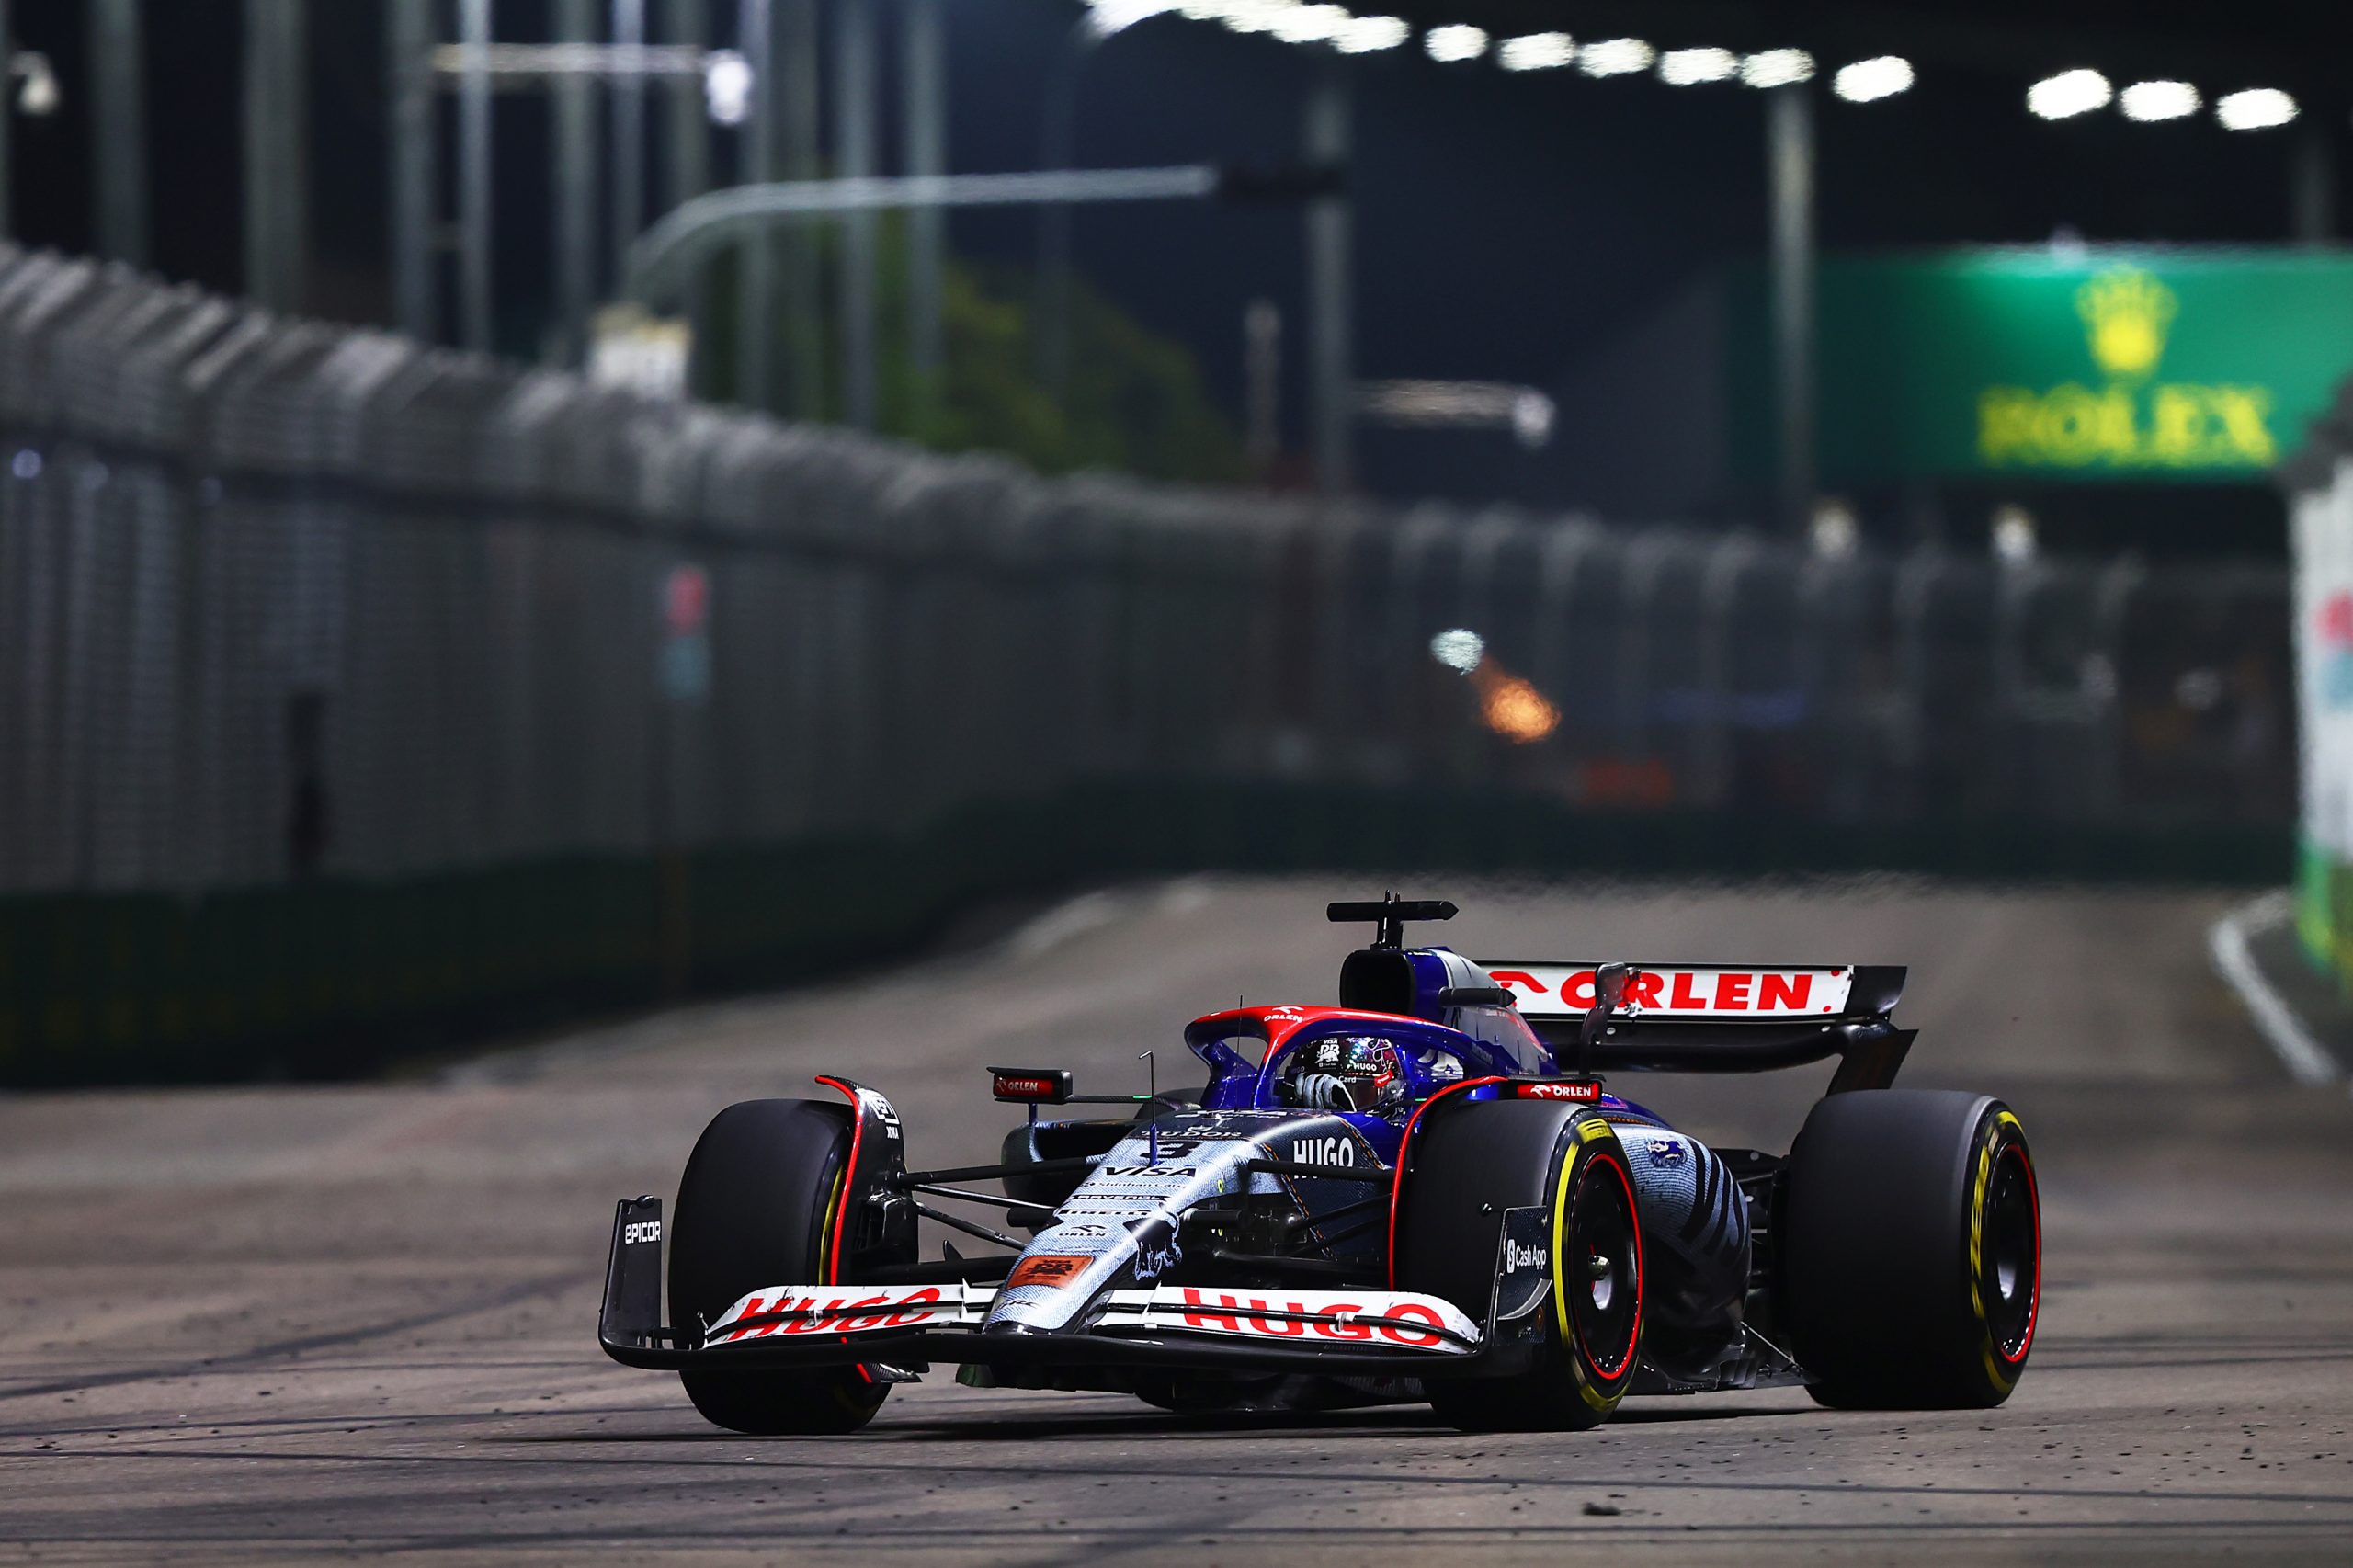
{"points": [[1424, 1193]]}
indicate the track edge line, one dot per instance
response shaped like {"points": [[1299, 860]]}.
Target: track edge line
{"points": [[2227, 946]]}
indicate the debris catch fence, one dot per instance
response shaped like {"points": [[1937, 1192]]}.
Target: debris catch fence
{"points": [[352, 690]]}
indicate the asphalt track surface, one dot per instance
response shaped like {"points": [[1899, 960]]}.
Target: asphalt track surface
{"points": [[293, 1323]]}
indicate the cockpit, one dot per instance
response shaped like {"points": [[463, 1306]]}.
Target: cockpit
{"points": [[1367, 1073]]}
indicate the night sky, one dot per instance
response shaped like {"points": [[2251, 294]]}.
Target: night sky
{"points": [[1508, 226]]}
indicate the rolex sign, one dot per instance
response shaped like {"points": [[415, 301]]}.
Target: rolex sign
{"points": [[2124, 414], [2085, 366]]}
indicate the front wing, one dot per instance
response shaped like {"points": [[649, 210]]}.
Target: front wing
{"points": [[1340, 1333]]}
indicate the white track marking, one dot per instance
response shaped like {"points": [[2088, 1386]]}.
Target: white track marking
{"points": [[1072, 918], [2227, 941]]}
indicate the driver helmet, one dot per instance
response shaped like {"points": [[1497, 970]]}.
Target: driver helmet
{"points": [[1357, 1073]]}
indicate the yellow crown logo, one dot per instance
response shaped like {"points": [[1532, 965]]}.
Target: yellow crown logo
{"points": [[2126, 316]]}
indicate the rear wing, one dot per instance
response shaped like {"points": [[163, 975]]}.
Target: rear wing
{"points": [[1687, 1018]]}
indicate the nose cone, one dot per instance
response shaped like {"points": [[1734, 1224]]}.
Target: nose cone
{"points": [[1048, 1287]]}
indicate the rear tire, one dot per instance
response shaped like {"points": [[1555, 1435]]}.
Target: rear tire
{"points": [[1912, 1248], [755, 1210], [1469, 1164]]}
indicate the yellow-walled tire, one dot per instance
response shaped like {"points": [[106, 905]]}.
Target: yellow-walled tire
{"points": [[1467, 1164], [1911, 1239]]}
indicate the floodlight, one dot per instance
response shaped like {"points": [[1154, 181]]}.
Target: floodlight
{"points": [[39, 96], [1252, 15], [1458, 40], [2068, 94], [1366, 35], [1536, 52], [1616, 57], [2148, 102], [1777, 68], [1691, 67], [1110, 17], [2257, 108], [1868, 81], [727, 87], [1310, 24]]}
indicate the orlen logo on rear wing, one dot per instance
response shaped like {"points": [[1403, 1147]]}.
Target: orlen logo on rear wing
{"points": [[1680, 990]]}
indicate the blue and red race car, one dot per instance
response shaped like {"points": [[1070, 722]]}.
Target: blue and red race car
{"points": [[1425, 1192]]}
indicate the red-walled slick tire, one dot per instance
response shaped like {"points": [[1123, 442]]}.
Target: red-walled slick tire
{"points": [[755, 1209]]}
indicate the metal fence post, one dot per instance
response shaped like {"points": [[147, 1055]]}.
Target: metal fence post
{"points": [[574, 158], [755, 322], [795, 105], [7, 114], [854, 152], [473, 179], [629, 133], [408, 71], [689, 161], [277, 139], [924, 133], [118, 128]]}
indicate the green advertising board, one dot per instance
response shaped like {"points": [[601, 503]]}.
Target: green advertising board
{"points": [[2157, 366]]}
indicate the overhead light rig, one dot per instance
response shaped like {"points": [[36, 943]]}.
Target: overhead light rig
{"points": [[2068, 95]]}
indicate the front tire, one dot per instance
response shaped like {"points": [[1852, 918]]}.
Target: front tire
{"points": [[756, 1208], [1912, 1240], [1469, 1164]]}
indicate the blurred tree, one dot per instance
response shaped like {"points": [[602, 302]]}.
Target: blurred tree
{"points": [[1137, 403]]}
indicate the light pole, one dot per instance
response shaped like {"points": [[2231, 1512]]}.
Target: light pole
{"points": [[1330, 293], [666, 254], [2315, 184], [1791, 168], [1262, 370]]}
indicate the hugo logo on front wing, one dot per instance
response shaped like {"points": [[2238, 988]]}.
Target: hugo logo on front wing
{"points": [[1332, 1320], [839, 1312]]}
